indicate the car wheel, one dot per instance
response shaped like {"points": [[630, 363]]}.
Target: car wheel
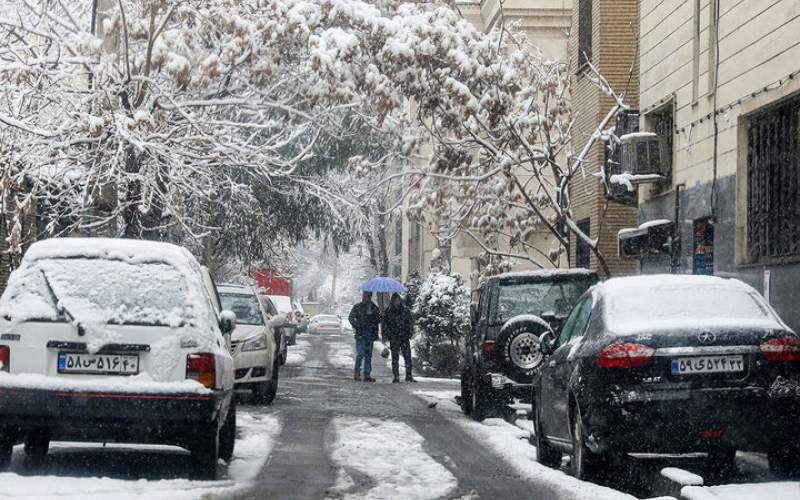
{"points": [[466, 395], [585, 464], [227, 435], [546, 454], [481, 399], [785, 461], [518, 349], [37, 442], [6, 449], [205, 452], [264, 393]]}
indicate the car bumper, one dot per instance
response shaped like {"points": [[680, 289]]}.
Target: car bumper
{"points": [[251, 367], [125, 417], [679, 421], [502, 384]]}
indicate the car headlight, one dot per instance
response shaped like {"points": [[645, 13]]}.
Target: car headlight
{"points": [[258, 343]]}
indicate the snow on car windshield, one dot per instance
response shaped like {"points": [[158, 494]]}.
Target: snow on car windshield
{"points": [[694, 305], [244, 305], [536, 298], [98, 291]]}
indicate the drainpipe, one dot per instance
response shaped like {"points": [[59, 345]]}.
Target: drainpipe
{"points": [[675, 247]]}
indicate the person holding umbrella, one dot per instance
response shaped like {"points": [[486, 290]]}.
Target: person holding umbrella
{"points": [[398, 329], [365, 318]]}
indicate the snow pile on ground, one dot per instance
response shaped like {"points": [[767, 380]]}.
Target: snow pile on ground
{"points": [[257, 435], [341, 354], [511, 443], [370, 469], [296, 354], [752, 491]]}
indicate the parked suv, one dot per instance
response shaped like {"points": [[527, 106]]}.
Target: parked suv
{"points": [[115, 340], [669, 364], [502, 351], [254, 345]]}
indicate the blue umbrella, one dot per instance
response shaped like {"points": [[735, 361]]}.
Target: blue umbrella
{"points": [[383, 285]]}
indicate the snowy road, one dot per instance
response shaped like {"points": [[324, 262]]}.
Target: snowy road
{"points": [[326, 436]]}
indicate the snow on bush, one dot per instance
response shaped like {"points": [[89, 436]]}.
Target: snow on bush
{"points": [[442, 317]]}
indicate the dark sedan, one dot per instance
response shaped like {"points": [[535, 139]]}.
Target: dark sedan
{"points": [[668, 364]]}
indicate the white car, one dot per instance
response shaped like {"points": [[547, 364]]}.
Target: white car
{"points": [[119, 341], [325, 323], [254, 345]]}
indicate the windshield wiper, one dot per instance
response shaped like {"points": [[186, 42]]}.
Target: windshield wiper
{"points": [[58, 304]]}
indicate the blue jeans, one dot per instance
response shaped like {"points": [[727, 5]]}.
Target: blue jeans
{"points": [[364, 352]]}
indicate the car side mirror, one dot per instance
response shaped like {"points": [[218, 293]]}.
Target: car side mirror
{"points": [[473, 314], [227, 321], [547, 343]]}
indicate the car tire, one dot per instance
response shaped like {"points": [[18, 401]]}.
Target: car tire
{"points": [[6, 449], [227, 435], [264, 393], [518, 349], [466, 395], [37, 443], [480, 400], [546, 454], [205, 452], [785, 461], [585, 464]]}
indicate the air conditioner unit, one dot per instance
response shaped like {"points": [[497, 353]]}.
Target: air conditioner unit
{"points": [[644, 156], [650, 238]]}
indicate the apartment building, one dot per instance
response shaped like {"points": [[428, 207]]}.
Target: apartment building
{"points": [[720, 86], [605, 33], [416, 249]]}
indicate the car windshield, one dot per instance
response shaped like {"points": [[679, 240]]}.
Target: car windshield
{"points": [[100, 291], [677, 306], [245, 306], [545, 298]]}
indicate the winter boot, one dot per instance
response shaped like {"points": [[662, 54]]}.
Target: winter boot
{"points": [[409, 378], [357, 377], [396, 380], [367, 378]]}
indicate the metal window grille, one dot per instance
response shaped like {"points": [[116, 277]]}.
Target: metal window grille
{"points": [[773, 183], [582, 254], [584, 32]]}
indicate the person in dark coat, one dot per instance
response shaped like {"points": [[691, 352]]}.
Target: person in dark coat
{"points": [[398, 330], [365, 317]]}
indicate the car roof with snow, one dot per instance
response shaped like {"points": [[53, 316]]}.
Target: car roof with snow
{"points": [[109, 248], [240, 289], [282, 302], [637, 304], [541, 275]]}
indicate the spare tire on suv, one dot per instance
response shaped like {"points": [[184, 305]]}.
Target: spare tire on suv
{"points": [[518, 346]]}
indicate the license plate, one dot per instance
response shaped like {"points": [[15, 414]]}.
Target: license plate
{"points": [[707, 364], [103, 364]]}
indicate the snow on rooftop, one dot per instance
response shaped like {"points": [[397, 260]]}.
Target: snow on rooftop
{"points": [[638, 135], [644, 226], [544, 273]]}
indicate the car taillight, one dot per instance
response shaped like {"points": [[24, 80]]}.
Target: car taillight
{"points": [[5, 358], [488, 350], [202, 367], [624, 355], [782, 349]]}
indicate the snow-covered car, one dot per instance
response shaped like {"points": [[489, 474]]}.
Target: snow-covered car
{"points": [[347, 328], [300, 317], [669, 364], [283, 304], [254, 345], [115, 340], [502, 350], [325, 324], [279, 323]]}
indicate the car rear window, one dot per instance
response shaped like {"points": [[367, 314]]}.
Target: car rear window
{"points": [[99, 291], [327, 319], [668, 306], [245, 306], [544, 298]]}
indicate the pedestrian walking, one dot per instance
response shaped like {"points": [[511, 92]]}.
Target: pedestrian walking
{"points": [[398, 330], [365, 317]]}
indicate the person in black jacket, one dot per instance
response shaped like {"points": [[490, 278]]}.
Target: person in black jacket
{"points": [[365, 318], [398, 330]]}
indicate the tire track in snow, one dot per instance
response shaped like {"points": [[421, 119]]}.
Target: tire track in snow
{"points": [[381, 459]]}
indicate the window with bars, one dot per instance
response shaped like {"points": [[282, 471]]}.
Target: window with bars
{"points": [[398, 236], [773, 183], [582, 252], [584, 32]]}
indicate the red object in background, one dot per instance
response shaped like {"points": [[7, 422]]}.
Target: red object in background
{"points": [[272, 282]]}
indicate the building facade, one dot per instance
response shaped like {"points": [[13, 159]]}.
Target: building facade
{"points": [[720, 84], [605, 33]]}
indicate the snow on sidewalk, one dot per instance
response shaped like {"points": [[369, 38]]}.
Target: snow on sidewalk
{"points": [[369, 469], [511, 443], [341, 355], [751, 491], [257, 436]]}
